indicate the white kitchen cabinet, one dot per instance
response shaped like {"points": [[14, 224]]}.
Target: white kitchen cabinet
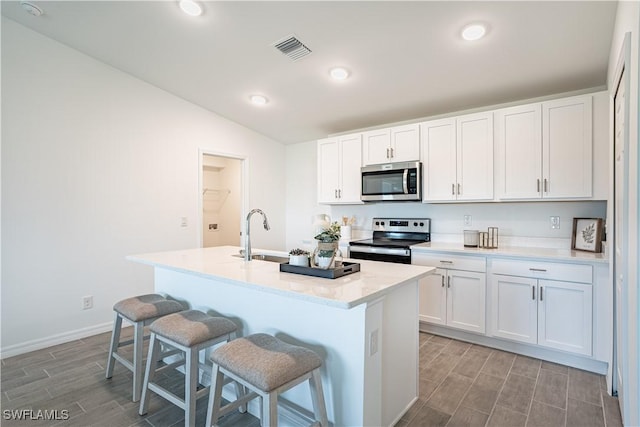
{"points": [[452, 297], [396, 144], [457, 156], [545, 150], [535, 308], [339, 162]]}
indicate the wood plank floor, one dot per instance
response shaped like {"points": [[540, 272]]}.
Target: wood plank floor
{"points": [[460, 385]]}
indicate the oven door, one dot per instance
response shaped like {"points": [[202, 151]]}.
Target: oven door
{"points": [[371, 253]]}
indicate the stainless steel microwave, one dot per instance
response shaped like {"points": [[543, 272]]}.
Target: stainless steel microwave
{"points": [[392, 182]]}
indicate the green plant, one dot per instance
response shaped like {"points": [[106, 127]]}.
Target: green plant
{"points": [[329, 234], [323, 253], [298, 251]]}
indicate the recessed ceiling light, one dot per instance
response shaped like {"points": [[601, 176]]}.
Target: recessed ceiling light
{"points": [[258, 99], [190, 7], [339, 73], [474, 32]]}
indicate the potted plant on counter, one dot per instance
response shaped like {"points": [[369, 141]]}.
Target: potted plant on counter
{"points": [[299, 257], [325, 254]]}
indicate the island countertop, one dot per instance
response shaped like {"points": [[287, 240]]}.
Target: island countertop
{"points": [[374, 279]]}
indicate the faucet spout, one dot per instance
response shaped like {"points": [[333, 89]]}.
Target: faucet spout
{"points": [[247, 231]]}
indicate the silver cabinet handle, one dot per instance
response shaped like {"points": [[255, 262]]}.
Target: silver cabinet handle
{"points": [[541, 289], [546, 188], [339, 194], [392, 152], [453, 189], [448, 281], [538, 185], [442, 280], [542, 270], [533, 293], [458, 188], [446, 262], [387, 153]]}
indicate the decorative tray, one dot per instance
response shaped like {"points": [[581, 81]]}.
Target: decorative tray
{"points": [[330, 273]]}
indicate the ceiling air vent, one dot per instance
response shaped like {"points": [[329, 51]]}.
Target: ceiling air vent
{"points": [[292, 47]]}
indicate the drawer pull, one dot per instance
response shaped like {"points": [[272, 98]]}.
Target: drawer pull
{"points": [[542, 270], [446, 262]]}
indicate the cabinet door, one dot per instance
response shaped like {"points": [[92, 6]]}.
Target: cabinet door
{"points": [[405, 143], [475, 157], [351, 161], [376, 147], [433, 298], [567, 146], [328, 170], [514, 308], [519, 152], [565, 316], [438, 150], [466, 300]]}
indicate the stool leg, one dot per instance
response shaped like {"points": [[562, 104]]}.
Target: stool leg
{"points": [[317, 397], [190, 387], [138, 367], [113, 347], [270, 409], [152, 362], [240, 392], [215, 396]]}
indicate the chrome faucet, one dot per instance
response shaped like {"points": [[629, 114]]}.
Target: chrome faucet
{"points": [[247, 234]]}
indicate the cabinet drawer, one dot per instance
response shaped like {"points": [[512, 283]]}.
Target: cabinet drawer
{"points": [[457, 262], [544, 270]]}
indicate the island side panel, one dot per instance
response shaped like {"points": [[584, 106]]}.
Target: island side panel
{"points": [[337, 335], [400, 352]]}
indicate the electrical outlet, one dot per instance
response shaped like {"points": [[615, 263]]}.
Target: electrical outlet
{"points": [[183, 221], [555, 222], [87, 302], [467, 220], [373, 343]]}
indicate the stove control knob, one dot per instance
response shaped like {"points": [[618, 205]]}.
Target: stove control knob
{"points": [[415, 224], [422, 224], [382, 223], [377, 222]]}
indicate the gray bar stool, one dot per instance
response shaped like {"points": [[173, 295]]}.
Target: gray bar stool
{"points": [[189, 331], [140, 311], [268, 367]]}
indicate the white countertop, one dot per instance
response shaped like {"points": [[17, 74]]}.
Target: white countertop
{"points": [[518, 252], [372, 281]]}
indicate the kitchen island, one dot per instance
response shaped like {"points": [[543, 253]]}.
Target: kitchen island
{"points": [[364, 325]]}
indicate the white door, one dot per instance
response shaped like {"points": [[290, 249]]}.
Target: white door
{"points": [[519, 152], [567, 147], [466, 293], [350, 163], [438, 148], [475, 157], [328, 170], [433, 298], [565, 316], [620, 239], [376, 147], [514, 310], [405, 143]]}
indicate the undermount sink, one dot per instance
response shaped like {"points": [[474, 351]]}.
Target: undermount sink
{"points": [[264, 257]]}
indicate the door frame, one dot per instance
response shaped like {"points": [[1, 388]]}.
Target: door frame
{"points": [[244, 186]]}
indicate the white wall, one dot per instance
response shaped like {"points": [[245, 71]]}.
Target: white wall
{"points": [[628, 20], [96, 165]]}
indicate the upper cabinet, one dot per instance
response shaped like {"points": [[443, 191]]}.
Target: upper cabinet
{"points": [[545, 150], [339, 162], [396, 144], [457, 156]]}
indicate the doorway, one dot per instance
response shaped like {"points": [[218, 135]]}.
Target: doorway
{"points": [[221, 203]]}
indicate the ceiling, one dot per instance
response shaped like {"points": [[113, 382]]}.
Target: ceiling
{"points": [[407, 59]]}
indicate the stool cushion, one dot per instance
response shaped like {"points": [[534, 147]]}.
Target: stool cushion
{"points": [[145, 307], [191, 327], [265, 361]]}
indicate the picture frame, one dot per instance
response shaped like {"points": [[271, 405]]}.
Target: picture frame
{"points": [[587, 234]]}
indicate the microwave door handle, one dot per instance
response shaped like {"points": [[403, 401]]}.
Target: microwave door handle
{"points": [[405, 179]]}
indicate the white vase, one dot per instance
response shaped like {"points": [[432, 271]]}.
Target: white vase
{"points": [[300, 260], [324, 262]]}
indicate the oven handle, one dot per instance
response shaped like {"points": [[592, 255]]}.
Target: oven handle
{"points": [[374, 250]]}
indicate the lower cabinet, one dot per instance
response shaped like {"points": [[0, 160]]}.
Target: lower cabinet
{"points": [[452, 297], [543, 311]]}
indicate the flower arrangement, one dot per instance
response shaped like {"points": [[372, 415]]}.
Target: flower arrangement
{"points": [[329, 234]]}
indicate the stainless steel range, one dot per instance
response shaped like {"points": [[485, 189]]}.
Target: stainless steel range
{"points": [[392, 239]]}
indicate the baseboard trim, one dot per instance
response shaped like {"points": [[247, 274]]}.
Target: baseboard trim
{"points": [[39, 344]]}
